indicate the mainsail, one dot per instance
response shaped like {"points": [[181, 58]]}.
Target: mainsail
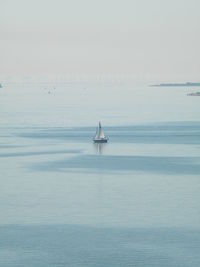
{"points": [[101, 133]]}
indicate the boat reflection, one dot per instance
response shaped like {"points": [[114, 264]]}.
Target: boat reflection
{"points": [[99, 148]]}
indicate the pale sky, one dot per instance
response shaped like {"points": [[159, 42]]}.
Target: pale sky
{"points": [[154, 39]]}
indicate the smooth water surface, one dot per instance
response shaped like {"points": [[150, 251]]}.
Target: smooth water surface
{"points": [[65, 201]]}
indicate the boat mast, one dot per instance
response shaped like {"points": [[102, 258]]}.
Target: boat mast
{"points": [[99, 134]]}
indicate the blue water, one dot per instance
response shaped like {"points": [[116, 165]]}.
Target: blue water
{"points": [[66, 245], [65, 201]]}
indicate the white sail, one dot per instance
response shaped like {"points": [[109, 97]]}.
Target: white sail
{"points": [[101, 134]]}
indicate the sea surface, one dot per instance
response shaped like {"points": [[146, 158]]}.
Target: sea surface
{"points": [[65, 201]]}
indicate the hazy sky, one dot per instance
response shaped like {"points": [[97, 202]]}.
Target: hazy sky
{"points": [[153, 39]]}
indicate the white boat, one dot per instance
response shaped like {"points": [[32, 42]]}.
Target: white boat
{"points": [[100, 136]]}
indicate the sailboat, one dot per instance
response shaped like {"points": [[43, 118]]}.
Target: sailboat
{"points": [[100, 136]]}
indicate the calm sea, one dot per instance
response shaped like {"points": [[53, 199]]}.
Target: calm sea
{"points": [[67, 202]]}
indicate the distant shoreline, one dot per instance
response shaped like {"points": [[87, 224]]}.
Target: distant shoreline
{"points": [[188, 84]]}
